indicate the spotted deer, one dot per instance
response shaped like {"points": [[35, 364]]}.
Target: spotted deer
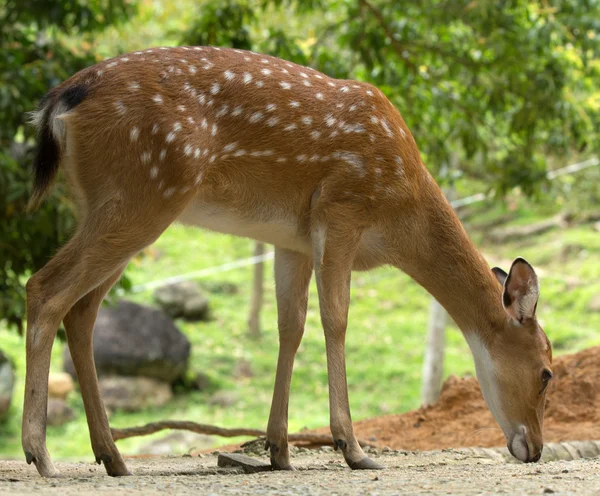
{"points": [[247, 144]]}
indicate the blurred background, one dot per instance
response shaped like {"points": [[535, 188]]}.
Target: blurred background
{"points": [[503, 101]]}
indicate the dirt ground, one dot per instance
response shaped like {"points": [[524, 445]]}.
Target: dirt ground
{"points": [[320, 472]]}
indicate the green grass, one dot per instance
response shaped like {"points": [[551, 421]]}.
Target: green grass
{"points": [[385, 338]]}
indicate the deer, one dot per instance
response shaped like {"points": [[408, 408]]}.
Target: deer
{"points": [[247, 144]]}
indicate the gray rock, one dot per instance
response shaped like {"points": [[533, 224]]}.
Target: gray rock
{"points": [[59, 412], [184, 300], [134, 340], [133, 393], [7, 384], [248, 464], [223, 399], [177, 443]]}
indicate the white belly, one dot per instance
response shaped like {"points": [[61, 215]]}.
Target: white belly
{"points": [[280, 231]]}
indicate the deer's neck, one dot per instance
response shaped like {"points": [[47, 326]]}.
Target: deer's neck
{"points": [[435, 250]]}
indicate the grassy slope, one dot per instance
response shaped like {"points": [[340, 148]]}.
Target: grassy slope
{"points": [[385, 337]]}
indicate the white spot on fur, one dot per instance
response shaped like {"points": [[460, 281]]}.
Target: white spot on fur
{"points": [[282, 159], [239, 153], [259, 84], [256, 116], [319, 96], [223, 110], [229, 75], [230, 147], [145, 157], [272, 121], [163, 154], [285, 85], [121, 108], [300, 158], [169, 192], [369, 92], [271, 107], [237, 111], [344, 89], [154, 172], [330, 120], [306, 82], [294, 104], [290, 127], [266, 72], [134, 133], [187, 150], [157, 99], [215, 88], [247, 77], [213, 130], [155, 129], [134, 85], [307, 120], [315, 134]]}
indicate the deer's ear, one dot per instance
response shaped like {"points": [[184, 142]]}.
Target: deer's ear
{"points": [[521, 291], [500, 275]]}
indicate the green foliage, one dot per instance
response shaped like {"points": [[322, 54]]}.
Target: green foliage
{"points": [[33, 59]]}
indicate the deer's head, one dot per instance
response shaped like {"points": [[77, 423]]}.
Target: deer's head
{"points": [[514, 363]]}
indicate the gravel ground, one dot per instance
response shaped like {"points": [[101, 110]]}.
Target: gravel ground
{"points": [[320, 472]]}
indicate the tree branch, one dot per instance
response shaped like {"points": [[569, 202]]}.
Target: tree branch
{"points": [[151, 428]]}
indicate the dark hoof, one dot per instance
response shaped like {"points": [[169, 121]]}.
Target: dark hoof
{"points": [[277, 466], [29, 457], [114, 467], [365, 464]]}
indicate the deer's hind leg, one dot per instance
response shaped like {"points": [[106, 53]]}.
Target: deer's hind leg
{"points": [[110, 234], [79, 324]]}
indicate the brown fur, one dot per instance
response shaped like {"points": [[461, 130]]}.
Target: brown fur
{"points": [[344, 190]]}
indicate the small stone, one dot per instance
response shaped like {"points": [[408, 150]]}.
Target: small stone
{"points": [[386, 449], [547, 490], [223, 399], [60, 384], [59, 412], [249, 465]]}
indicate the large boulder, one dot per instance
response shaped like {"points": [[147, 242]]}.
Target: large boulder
{"points": [[183, 300], [134, 340], [7, 383]]}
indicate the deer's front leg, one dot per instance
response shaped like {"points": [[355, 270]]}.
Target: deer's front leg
{"points": [[292, 277], [333, 251]]}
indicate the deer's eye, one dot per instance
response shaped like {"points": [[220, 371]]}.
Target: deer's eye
{"points": [[546, 376]]}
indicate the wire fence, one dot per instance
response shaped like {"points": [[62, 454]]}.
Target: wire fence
{"points": [[244, 262]]}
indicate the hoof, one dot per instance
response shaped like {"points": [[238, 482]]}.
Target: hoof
{"points": [[280, 459], [115, 467], [43, 464], [277, 466], [365, 464]]}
